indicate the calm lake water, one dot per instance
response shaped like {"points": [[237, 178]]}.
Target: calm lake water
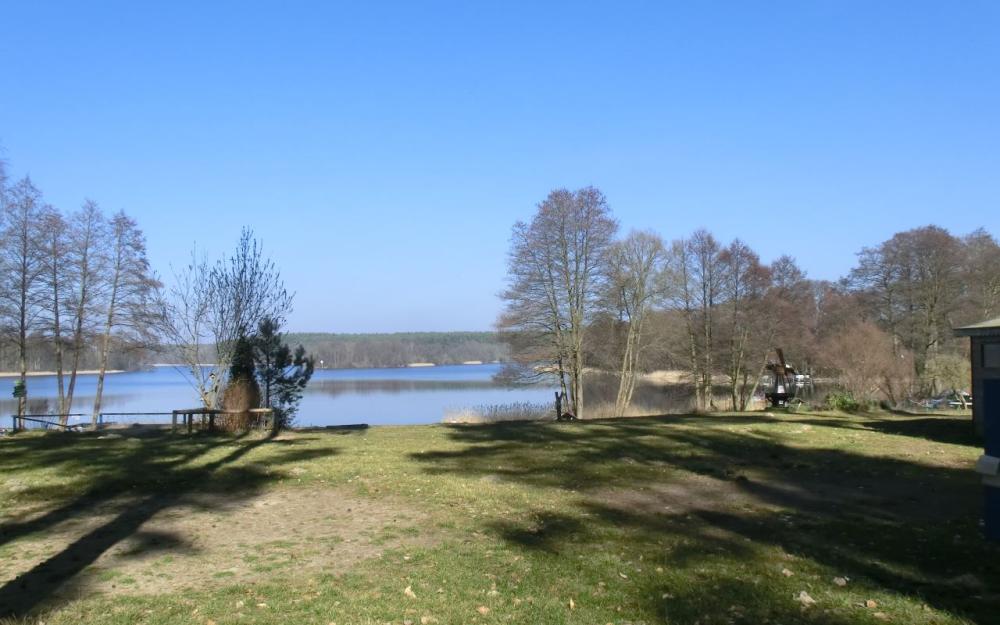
{"points": [[333, 397]]}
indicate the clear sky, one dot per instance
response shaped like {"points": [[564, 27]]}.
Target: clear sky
{"points": [[382, 151]]}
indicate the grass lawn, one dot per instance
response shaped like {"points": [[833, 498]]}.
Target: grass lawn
{"points": [[790, 518]]}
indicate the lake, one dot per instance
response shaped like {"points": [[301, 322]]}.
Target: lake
{"points": [[333, 397]]}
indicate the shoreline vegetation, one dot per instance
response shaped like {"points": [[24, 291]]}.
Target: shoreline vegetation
{"points": [[657, 393]]}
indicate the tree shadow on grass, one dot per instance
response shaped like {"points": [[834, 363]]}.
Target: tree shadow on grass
{"points": [[134, 482], [893, 524], [955, 430], [942, 428]]}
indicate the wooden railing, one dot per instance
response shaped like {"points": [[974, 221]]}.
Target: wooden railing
{"points": [[259, 418], [263, 418]]}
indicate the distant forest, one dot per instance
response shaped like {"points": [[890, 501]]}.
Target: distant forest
{"points": [[341, 351], [41, 355], [355, 351]]}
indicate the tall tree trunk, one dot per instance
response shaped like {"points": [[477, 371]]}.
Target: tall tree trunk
{"points": [[57, 345], [578, 346], [22, 401], [77, 350], [692, 338], [630, 361], [22, 342], [624, 377], [707, 382], [105, 347], [78, 319], [695, 377], [562, 378], [576, 384]]}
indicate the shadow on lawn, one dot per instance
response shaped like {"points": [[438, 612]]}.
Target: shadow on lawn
{"points": [[956, 430], [890, 524], [941, 428], [133, 481]]}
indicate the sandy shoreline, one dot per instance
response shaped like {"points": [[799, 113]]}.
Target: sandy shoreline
{"points": [[38, 374]]}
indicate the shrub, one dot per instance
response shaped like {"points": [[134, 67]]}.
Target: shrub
{"points": [[842, 400]]}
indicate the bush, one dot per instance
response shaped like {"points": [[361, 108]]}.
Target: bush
{"points": [[842, 400], [797, 405]]}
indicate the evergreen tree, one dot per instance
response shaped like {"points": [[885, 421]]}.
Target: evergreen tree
{"points": [[242, 392], [283, 374], [242, 367]]}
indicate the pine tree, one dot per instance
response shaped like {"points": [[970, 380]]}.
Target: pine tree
{"points": [[282, 373]]}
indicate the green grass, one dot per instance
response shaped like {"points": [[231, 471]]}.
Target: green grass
{"points": [[696, 519]]}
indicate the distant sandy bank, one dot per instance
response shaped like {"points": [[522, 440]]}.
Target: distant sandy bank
{"points": [[666, 377], [36, 374]]}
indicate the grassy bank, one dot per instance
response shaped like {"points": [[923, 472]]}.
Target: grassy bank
{"points": [[816, 518]]}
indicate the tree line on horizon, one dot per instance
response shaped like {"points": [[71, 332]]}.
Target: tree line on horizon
{"points": [[398, 349], [372, 350], [580, 295]]}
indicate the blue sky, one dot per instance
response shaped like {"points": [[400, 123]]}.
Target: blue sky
{"points": [[383, 150]]}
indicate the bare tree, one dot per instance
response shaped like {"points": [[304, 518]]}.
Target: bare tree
{"points": [[22, 267], [748, 333], [913, 281], [635, 284], [54, 245], [86, 262], [247, 289], [188, 329], [868, 367], [130, 295], [982, 276], [3, 180], [556, 269], [695, 281], [679, 296], [219, 305]]}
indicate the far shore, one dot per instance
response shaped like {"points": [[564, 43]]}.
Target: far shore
{"points": [[37, 374]]}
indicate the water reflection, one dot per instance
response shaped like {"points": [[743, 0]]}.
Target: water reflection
{"points": [[82, 404], [370, 386], [334, 397]]}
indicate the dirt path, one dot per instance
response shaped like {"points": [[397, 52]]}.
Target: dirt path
{"points": [[301, 531]]}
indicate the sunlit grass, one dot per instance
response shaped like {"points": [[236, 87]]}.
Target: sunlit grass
{"points": [[707, 519]]}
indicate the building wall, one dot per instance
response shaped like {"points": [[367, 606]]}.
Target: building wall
{"points": [[980, 372]]}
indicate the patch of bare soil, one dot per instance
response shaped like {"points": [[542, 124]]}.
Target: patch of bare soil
{"points": [[286, 533], [690, 494], [894, 498]]}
